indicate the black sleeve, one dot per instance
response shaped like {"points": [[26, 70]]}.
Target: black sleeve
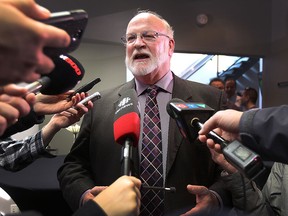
{"points": [[225, 195], [265, 131], [23, 123], [90, 208]]}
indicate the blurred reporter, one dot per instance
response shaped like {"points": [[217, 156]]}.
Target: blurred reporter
{"points": [[262, 130], [17, 154]]}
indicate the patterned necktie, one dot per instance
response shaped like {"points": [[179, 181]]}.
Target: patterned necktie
{"points": [[151, 166]]}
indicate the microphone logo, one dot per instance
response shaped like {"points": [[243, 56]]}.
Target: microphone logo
{"points": [[124, 101], [190, 106], [124, 104], [71, 63], [181, 106]]}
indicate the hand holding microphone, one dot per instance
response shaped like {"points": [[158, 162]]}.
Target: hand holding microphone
{"points": [[127, 131], [54, 87], [67, 73], [188, 116]]}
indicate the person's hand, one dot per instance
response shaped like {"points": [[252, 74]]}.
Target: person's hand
{"points": [[206, 201], [8, 116], [220, 160], [226, 120], [225, 123], [64, 119], [92, 193], [22, 39], [51, 104], [122, 198], [13, 104], [70, 116]]}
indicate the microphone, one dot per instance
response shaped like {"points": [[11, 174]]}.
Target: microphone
{"points": [[166, 189], [36, 86], [183, 112], [67, 72], [189, 116], [127, 125]]}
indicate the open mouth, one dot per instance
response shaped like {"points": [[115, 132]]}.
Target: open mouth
{"points": [[141, 56]]}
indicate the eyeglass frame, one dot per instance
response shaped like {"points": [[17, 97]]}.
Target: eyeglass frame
{"points": [[155, 36]]}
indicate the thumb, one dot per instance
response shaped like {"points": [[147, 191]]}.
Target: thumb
{"points": [[197, 190]]}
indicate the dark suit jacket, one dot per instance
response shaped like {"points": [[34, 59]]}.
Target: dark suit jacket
{"points": [[95, 157]]}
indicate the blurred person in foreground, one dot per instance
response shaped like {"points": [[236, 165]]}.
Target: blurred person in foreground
{"points": [[22, 39], [254, 129], [262, 130]]}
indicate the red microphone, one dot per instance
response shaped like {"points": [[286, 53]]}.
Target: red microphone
{"points": [[127, 125]]}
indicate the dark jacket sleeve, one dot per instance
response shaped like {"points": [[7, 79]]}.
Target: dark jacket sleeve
{"points": [[90, 208], [246, 197], [265, 131]]}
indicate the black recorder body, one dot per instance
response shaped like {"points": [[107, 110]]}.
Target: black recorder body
{"points": [[189, 117]]}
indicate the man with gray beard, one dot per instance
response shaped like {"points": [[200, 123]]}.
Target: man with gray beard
{"points": [[94, 159]]}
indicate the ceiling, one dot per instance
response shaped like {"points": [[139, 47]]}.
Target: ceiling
{"points": [[108, 19], [230, 30]]}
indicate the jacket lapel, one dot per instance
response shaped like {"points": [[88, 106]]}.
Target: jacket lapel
{"points": [[181, 91]]}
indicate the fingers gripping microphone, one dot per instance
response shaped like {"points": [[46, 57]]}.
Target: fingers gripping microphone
{"points": [[242, 158], [66, 74], [189, 116], [36, 86], [127, 125]]}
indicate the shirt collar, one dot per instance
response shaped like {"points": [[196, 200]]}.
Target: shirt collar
{"points": [[165, 83]]}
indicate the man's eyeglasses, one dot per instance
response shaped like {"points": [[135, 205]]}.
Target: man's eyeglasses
{"points": [[147, 36]]}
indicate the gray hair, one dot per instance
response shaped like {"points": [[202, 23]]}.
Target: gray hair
{"points": [[169, 28]]}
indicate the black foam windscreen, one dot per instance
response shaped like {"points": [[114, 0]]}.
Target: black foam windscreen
{"points": [[67, 73]]}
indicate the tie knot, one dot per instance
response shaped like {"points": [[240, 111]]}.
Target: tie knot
{"points": [[153, 90]]}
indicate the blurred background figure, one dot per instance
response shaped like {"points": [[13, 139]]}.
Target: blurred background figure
{"points": [[217, 83], [249, 98], [230, 89], [238, 102]]}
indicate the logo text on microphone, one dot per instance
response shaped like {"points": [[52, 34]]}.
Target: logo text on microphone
{"points": [[124, 103]]}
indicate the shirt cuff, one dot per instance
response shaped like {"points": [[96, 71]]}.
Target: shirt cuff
{"points": [[82, 198], [220, 202]]}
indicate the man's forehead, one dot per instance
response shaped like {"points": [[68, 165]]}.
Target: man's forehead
{"points": [[145, 19]]}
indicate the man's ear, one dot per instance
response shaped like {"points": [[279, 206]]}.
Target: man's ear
{"points": [[171, 47]]}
